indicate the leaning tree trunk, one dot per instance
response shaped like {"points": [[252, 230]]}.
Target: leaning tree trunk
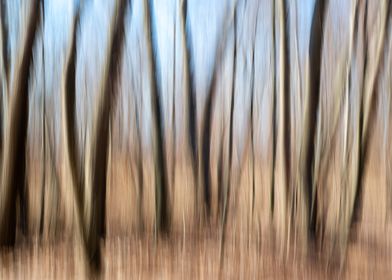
{"points": [[252, 109], [4, 74], [207, 116], [70, 133], [226, 196], [100, 136], [14, 163], [43, 119], [191, 96], [368, 102], [161, 182], [311, 110]]}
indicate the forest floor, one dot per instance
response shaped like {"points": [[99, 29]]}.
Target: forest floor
{"points": [[186, 254], [191, 257]]}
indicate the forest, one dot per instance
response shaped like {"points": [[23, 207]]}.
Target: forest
{"points": [[192, 138]]}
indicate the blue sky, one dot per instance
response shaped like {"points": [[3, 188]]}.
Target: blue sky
{"points": [[207, 17]]}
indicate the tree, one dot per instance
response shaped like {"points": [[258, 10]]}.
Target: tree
{"points": [[100, 135], [371, 73], [161, 181], [226, 196], [93, 228], [311, 111], [4, 72], [14, 161], [207, 116], [190, 91], [281, 120]]}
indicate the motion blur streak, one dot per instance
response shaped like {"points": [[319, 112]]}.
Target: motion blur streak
{"points": [[203, 139]]}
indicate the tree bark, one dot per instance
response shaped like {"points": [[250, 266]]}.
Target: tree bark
{"points": [[367, 113], [100, 135], [190, 89], [14, 163], [161, 181], [311, 111]]}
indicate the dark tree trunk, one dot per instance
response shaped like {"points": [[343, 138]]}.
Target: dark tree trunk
{"points": [[190, 88], [4, 33], [69, 100], [5, 71], [140, 176], [313, 96], [14, 164], [207, 122], [161, 199], [100, 140], [286, 91], [70, 133]]}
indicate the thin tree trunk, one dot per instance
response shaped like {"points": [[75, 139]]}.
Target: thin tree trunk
{"points": [[311, 111], [367, 113], [221, 176], [4, 72], [139, 153], [226, 199], [274, 93], [43, 173], [252, 101], [161, 189], [207, 116], [282, 92], [140, 176], [69, 126], [174, 147], [191, 96], [4, 38]]}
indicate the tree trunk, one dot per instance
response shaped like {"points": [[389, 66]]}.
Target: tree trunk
{"points": [[191, 96], [161, 181], [100, 135], [14, 163], [311, 111]]}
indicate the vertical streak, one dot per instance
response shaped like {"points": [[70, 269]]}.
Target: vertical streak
{"points": [[311, 111], [273, 111], [190, 89], [368, 103], [252, 107], [101, 133], [4, 67], [43, 183], [207, 116], [229, 181], [161, 199], [174, 150], [14, 166], [233, 85], [4, 38]]}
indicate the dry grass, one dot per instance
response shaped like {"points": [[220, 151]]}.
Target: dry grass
{"points": [[195, 257], [252, 250]]}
